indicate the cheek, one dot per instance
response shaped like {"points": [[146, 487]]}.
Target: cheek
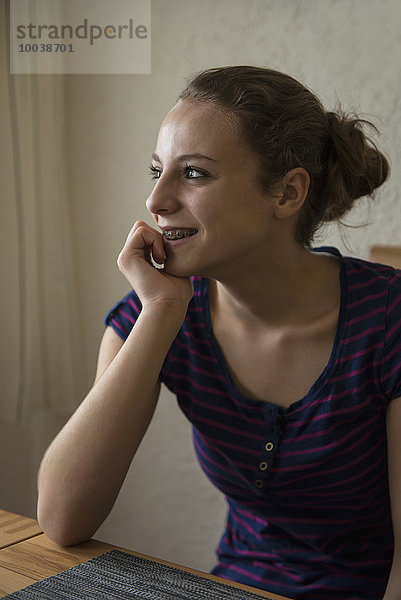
{"points": [[204, 207], [221, 209]]}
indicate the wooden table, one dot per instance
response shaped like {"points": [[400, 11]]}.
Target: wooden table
{"points": [[27, 556], [14, 528]]}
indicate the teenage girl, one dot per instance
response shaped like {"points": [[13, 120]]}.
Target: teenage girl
{"points": [[285, 357]]}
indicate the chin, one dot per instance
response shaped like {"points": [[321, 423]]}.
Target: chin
{"points": [[186, 268], [172, 268]]}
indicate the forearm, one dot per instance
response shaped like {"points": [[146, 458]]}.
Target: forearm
{"points": [[85, 466]]}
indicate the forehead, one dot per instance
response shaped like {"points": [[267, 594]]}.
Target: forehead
{"points": [[198, 127]]}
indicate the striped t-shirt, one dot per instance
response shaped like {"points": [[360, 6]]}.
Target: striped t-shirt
{"points": [[307, 487]]}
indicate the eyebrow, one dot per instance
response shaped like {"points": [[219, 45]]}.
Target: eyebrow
{"points": [[186, 157]]}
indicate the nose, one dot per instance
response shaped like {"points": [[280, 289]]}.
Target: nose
{"points": [[163, 199]]}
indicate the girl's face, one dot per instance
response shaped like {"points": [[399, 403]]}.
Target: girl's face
{"points": [[214, 217]]}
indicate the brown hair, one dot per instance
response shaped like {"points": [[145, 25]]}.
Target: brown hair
{"points": [[287, 126]]}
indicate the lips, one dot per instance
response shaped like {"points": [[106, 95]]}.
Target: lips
{"points": [[178, 233]]}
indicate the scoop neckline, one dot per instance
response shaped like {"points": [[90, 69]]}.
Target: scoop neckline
{"points": [[321, 379]]}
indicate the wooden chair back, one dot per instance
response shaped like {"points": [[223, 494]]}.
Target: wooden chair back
{"points": [[387, 255]]}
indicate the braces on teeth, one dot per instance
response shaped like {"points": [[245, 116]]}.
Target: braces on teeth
{"points": [[177, 234]]}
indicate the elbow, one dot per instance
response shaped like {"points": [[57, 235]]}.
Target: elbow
{"points": [[62, 536], [60, 529]]}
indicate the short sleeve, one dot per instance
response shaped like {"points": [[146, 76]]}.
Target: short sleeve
{"points": [[123, 315], [391, 364]]}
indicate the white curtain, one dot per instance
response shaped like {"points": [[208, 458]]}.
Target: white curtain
{"points": [[39, 325]]}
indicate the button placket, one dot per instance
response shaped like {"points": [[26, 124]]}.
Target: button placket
{"points": [[270, 447]]}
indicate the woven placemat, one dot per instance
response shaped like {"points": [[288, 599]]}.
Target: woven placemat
{"points": [[117, 575]]}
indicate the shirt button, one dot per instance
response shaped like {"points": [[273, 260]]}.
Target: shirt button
{"points": [[259, 483], [269, 446], [263, 465]]}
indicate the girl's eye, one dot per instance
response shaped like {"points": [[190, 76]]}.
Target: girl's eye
{"points": [[193, 173], [155, 173], [188, 172]]}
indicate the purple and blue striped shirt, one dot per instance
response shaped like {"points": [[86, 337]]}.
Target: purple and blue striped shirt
{"points": [[307, 487]]}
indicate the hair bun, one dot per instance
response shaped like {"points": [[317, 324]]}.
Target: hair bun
{"points": [[356, 167]]}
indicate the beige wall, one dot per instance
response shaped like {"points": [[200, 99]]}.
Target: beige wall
{"points": [[348, 49]]}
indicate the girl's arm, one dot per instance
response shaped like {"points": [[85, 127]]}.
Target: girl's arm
{"points": [[84, 467], [393, 590]]}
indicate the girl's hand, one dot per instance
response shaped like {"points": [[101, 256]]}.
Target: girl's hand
{"points": [[153, 286]]}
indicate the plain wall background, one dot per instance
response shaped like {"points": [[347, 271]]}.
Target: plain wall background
{"points": [[342, 49]]}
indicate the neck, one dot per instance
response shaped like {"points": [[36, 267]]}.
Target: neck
{"points": [[295, 286]]}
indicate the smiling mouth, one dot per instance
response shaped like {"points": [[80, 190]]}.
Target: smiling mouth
{"points": [[178, 234]]}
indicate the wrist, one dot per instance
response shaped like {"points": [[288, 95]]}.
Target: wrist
{"points": [[164, 314], [166, 308], [156, 328]]}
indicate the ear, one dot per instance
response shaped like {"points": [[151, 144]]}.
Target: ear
{"points": [[294, 188]]}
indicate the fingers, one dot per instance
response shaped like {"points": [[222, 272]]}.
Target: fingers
{"points": [[143, 248], [142, 242], [150, 240]]}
